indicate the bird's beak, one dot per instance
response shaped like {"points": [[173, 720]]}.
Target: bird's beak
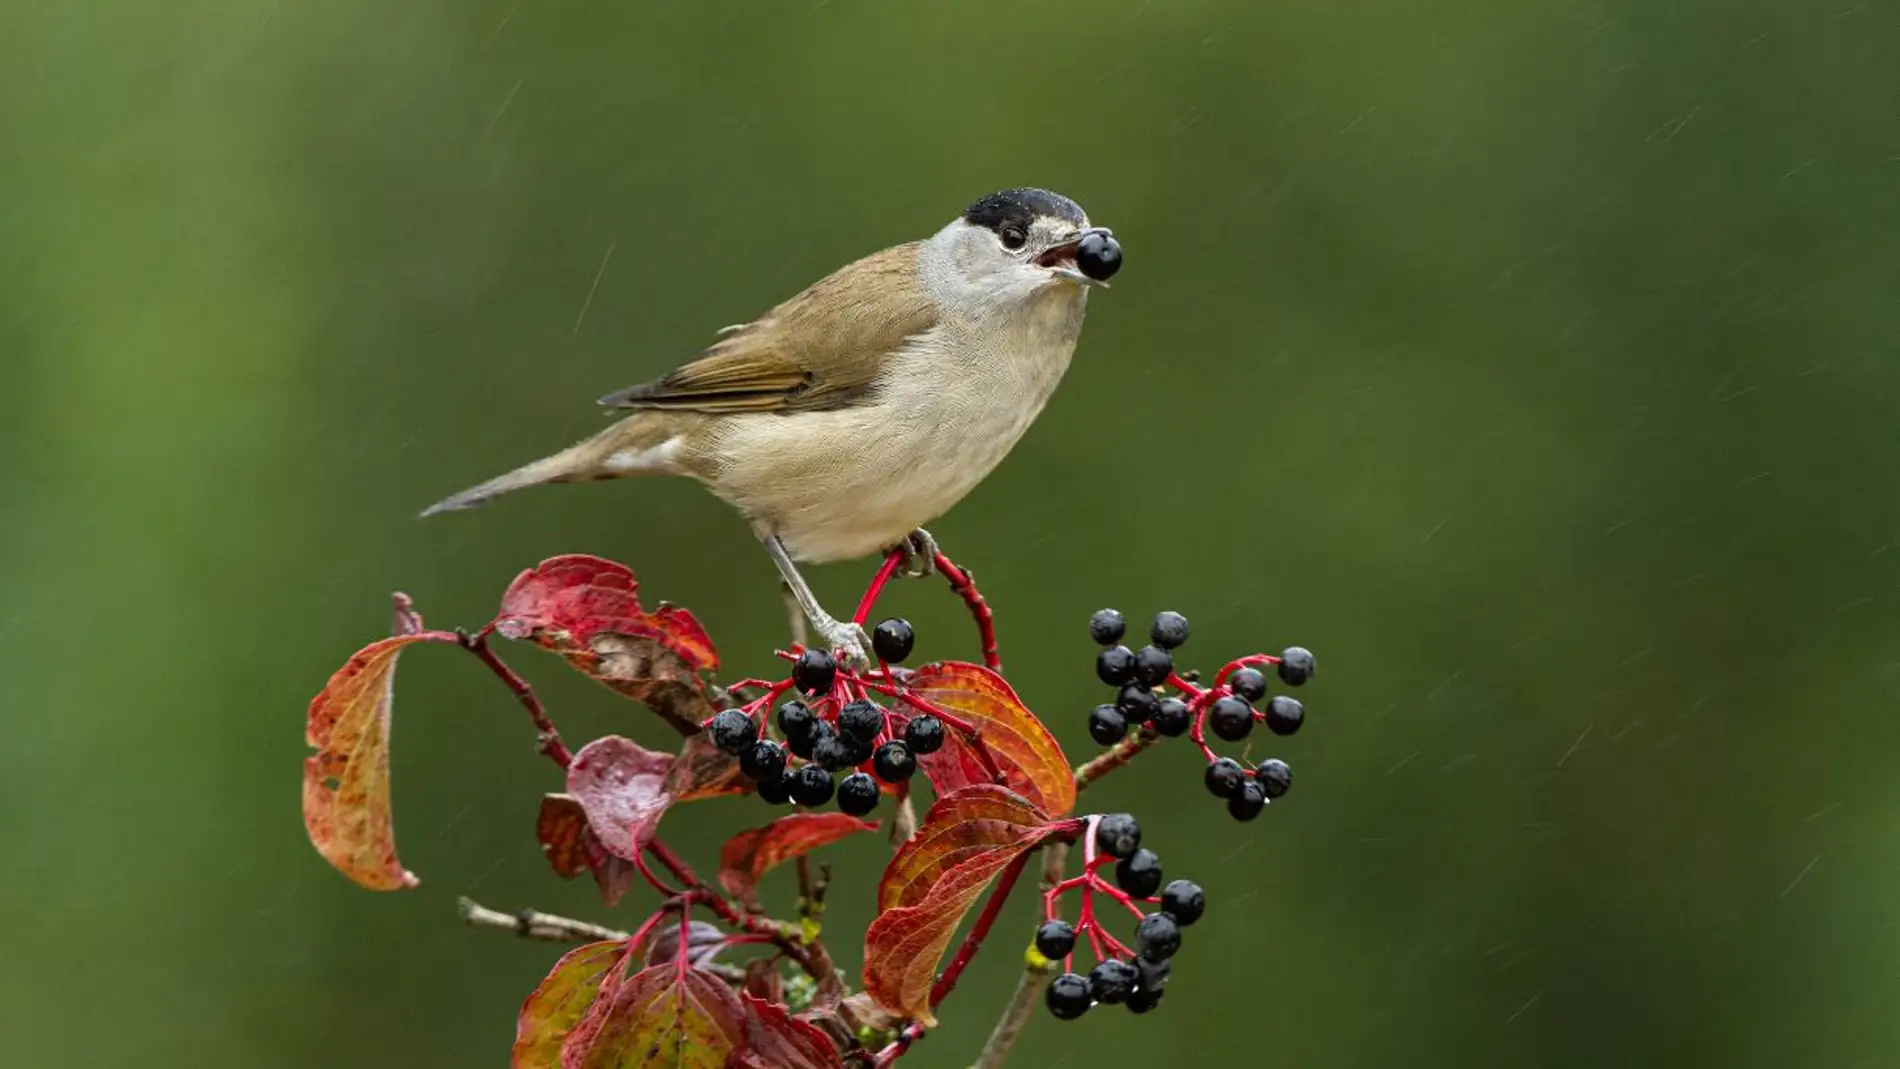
{"points": [[1060, 257]]}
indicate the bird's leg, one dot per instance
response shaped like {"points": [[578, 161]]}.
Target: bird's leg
{"points": [[848, 639], [920, 554]]}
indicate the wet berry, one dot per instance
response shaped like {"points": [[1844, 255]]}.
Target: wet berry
{"points": [[1106, 627], [1171, 717], [814, 672], [1098, 256], [763, 760], [1144, 999], [1249, 684], [893, 640], [1249, 802], [1274, 777], [734, 732], [1117, 835], [861, 719], [1170, 630], [857, 794], [777, 790], [1153, 666], [1139, 873], [924, 734], [893, 762], [862, 750], [832, 752], [1055, 940], [1230, 718], [1284, 715], [810, 786], [1112, 981], [1184, 901], [1115, 665], [1068, 996], [1107, 725], [1224, 777], [1296, 665], [795, 719], [1137, 703], [1151, 975], [803, 745], [1157, 937]]}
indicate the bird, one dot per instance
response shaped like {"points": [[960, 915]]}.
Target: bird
{"points": [[844, 419]]}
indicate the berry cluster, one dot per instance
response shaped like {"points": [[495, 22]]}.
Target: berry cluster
{"points": [[1230, 708], [1138, 977], [833, 727]]}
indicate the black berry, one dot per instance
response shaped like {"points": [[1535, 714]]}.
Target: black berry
{"points": [[1184, 901], [1099, 256], [1144, 999], [1249, 802], [1230, 718], [831, 752], [1106, 627], [795, 719], [1068, 996], [1115, 665], [814, 672], [1249, 684], [777, 790], [893, 639], [857, 794], [860, 749], [804, 745], [1107, 725], [924, 734], [1137, 703], [810, 786], [1284, 715], [1153, 666], [1139, 873], [1224, 777], [1170, 630], [763, 760], [734, 732], [1274, 777], [1158, 937], [1296, 665], [1171, 717], [1112, 981], [893, 762], [1055, 940], [1117, 835], [861, 719]]}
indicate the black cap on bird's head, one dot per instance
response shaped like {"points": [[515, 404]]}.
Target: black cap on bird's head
{"points": [[1021, 207]]}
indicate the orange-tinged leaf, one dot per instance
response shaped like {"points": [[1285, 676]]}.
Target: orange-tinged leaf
{"points": [[1032, 763], [703, 770], [969, 836], [622, 787], [751, 853], [346, 808], [667, 1015], [560, 1002], [775, 1039]]}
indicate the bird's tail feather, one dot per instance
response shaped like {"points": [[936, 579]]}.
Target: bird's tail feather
{"points": [[609, 455]]}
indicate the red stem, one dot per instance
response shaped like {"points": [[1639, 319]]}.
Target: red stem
{"points": [[876, 589], [550, 740], [965, 587]]}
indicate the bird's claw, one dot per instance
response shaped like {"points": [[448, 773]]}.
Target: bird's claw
{"points": [[920, 554], [848, 641]]}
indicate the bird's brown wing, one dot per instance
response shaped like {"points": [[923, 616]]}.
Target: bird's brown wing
{"points": [[818, 350]]}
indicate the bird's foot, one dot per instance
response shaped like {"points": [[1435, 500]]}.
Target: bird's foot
{"points": [[847, 641], [920, 554]]}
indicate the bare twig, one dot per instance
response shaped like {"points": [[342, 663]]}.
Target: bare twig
{"points": [[1114, 757], [550, 742], [903, 817], [532, 924], [1009, 1027]]}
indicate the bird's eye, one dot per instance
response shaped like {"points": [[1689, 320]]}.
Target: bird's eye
{"points": [[1014, 238]]}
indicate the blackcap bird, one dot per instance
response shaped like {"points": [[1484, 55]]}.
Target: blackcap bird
{"points": [[846, 418]]}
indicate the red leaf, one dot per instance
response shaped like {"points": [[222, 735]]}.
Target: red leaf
{"points": [[572, 847], [588, 610], [751, 853], [703, 770], [1027, 755], [560, 1002], [682, 1018], [346, 782], [622, 787], [968, 837], [775, 1039]]}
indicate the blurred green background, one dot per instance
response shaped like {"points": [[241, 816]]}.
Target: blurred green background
{"points": [[1532, 362]]}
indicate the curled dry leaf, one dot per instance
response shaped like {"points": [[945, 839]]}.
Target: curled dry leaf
{"points": [[775, 1039], [346, 782], [751, 853], [934, 880], [561, 1000], [667, 1015], [588, 610], [1032, 764]]}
